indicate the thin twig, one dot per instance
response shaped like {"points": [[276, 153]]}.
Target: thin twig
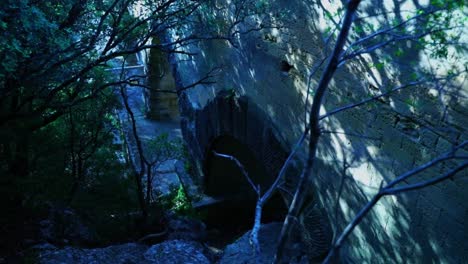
{"points": [[241, 167], [353, 105], [349, 134]]}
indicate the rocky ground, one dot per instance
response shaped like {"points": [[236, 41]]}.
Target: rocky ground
{"points": [[178, 248], [173, 251]]}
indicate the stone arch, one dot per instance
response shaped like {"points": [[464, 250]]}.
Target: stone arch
{"points": [[239, 119], [237, 126]]}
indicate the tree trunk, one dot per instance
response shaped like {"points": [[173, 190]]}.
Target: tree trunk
{"points": [[149, 186], [76, 180], [141, 197], [138, 175]]}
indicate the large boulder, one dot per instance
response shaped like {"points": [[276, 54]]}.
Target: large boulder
{"points": [[119, 254], [177, 252], [169, 252], [185, 228], [241, 251], [64, 226]]}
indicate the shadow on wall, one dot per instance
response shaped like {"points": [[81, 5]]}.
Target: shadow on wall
{"points": [[366, 146], [361, 147]]}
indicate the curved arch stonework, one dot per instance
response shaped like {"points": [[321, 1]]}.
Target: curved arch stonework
{"points": [[239, 118], [227, 118]]}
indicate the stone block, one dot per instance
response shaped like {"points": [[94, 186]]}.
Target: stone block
{"points": [[440, 199], [453, 238], [428, 138], [429, 212], [458, 118], [443, 145]]}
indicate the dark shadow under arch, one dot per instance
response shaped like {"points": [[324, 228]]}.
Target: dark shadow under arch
{"points": [[223, 177], [237, 126], [225, 181]]}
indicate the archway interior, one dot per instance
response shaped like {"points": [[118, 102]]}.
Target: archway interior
{"points": [[224, 180]]}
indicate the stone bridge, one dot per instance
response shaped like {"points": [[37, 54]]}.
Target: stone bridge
{"points": [[256, 112]]}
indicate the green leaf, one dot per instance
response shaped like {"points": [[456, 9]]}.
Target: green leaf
{"points": [[399, 52]]}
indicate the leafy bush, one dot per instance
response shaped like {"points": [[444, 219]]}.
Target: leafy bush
{"points": [[180, 203]]}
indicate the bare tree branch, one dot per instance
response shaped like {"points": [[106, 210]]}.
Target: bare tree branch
{"points": [[349, 134], [389, 189], [242, 168], [258, 208], [314, 126], [374, 98]]}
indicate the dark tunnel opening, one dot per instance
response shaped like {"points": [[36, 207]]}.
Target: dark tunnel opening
{"points": [[229, 219]]}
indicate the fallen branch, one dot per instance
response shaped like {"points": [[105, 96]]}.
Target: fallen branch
{"points": [[151, 237]]}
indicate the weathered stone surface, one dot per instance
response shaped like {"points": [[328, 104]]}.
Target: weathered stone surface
{"points": [[64, 226], [120, 254], [241, 251], [185, 228], [169, 252], [176, 252]]}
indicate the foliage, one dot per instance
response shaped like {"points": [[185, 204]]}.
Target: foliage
{"points": [[237, 18], [434, 27], [185, 157], [180, 202], [57, 122], [109, 199], [162, 148], [56, 100]]}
